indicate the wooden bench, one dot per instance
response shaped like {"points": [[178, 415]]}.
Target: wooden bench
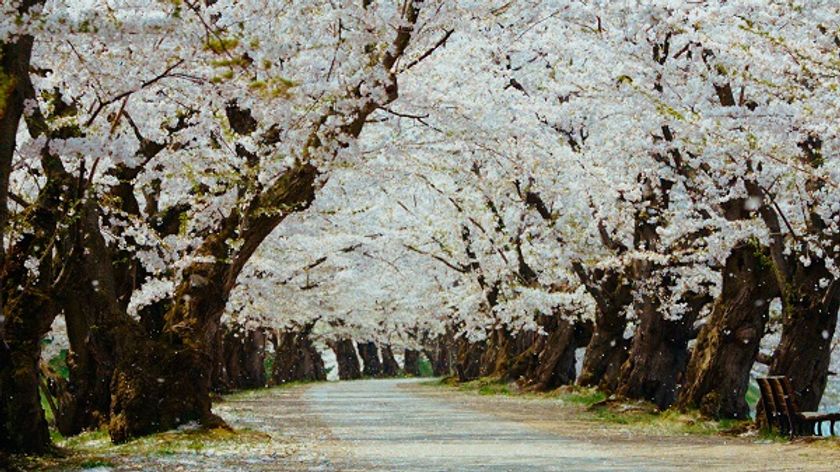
{"points": [[782, 411]]}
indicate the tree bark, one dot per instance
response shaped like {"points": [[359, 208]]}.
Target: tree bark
{"points": [[718, 373], [808, 325], [608, 348], [556, 361], [468, 362], [390, 368], [297, 360], [348, 361], [440, 355], [24, 428], [658, 353], [370, 359], [411, 362], [27, 310]]}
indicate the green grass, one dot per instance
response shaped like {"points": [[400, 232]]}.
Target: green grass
{"points": [[254, 392], [425, 367]]}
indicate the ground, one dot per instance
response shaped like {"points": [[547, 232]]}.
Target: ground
{"points": [[412, 425]]}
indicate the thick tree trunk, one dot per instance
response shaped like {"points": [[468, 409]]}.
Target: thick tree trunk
{"points": [[297, 360], [390, 368], [553, 364], [91, 311], [411, 362], [658, 353], [608, 348], [253, 360], [810, 319], [605, 354], [503, 352], [26, 309], [468, 362], [24, 427], [347, 360], [718, 373], [440, 356], [370, 358]]}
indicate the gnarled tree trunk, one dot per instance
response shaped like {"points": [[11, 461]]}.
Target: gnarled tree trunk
{"points": [[555, 364], [370, 358], [24, 428], [468, 362], [347, 360], [810, 320], [390, 367], [658, 353], [608, 348], [718, 373], [25, 305], [297, 360]]}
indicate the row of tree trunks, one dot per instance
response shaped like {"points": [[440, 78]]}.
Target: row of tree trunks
{"points": [[240, 361], [296, 359], [347, 359]]}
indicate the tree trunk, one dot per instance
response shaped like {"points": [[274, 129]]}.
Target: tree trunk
{"points": [[439, 355], [658, 353], [220, 380], [554, 364], [390, 368], [370, 357], [297, 360], [411, 362], [607, 349], [468, 363], [253, 360], [348, 361], [810, 319], [718, 373], [24, 428], [24, 305], [91, 311]]}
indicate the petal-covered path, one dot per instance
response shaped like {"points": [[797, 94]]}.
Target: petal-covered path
{"points": [[398, 425]]}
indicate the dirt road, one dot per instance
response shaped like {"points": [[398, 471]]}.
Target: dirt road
{"points": [[401, 425]]}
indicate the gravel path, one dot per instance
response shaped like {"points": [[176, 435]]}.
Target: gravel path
{"points": [[400, 425], [386, 427]]}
